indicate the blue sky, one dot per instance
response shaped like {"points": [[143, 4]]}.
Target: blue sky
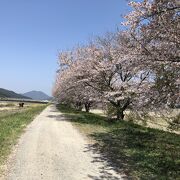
{"points": [[32, 32]]}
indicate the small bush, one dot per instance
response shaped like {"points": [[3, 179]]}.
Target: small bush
{"points": [[110, 110], [174, 124], [136, 117]]}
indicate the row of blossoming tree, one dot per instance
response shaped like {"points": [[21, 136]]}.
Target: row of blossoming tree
{"points": [[138, 68]]}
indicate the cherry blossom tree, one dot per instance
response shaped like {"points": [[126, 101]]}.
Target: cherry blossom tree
{"points": [[154, 26], [68, 87], [136, 68], [102, 70], [111, 72]]}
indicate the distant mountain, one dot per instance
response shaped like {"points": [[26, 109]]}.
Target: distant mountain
{"points": [[4, 93], [37, 95]]}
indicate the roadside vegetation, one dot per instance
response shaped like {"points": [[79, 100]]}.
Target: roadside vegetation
{"points": [[12, 124], [140, 152]]}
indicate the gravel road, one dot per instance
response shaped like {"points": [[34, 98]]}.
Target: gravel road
{"points": [[52, 149]]}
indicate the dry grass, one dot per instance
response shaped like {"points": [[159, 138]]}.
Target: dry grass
{"points": [[11, 107], [156, 120]]}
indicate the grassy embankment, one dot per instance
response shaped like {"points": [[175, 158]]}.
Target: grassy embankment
{"points": [[12, 124], [140, 152]]}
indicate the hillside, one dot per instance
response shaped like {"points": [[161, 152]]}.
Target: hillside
{"points": [[4, 93], [37, 95]]}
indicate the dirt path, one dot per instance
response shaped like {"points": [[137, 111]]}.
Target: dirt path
{"points": [[52, 149]]}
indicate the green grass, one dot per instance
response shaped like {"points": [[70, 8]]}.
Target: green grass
{"points": [[11, 127], [141, 152]]}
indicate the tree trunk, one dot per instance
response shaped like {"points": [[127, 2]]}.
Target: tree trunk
{"points": [[87, 106], [120, 107], [79, 106], [120, 113]]}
